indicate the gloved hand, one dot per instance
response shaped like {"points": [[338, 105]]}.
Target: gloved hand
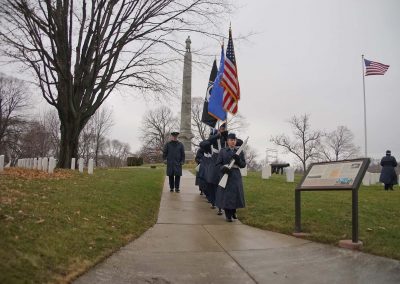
{"points": [[225, 169], [236, 158]]}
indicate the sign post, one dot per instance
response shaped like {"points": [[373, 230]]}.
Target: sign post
{"points": [[340, 175]]}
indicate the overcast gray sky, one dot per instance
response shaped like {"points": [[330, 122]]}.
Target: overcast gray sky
{"points": [[304, 58]]}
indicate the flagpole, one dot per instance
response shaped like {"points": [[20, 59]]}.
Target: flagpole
{"points": [[365, 108]]}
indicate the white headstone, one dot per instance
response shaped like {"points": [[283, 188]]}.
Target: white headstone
{"points": [[374, 178], [80, 165], [39, 164], [367, 179], [73, 164], [289, 174], [266, 172], [44, 164], [51, 165], [35, 163], [243, 171], [1, 163], [90, 167]]}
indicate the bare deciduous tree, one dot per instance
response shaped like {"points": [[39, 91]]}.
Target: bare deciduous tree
{"points": [[305, 142], [115, 153], [13, 100], [251, 158], [157, 124], [93, 136], [80, 51], [339, 145]]}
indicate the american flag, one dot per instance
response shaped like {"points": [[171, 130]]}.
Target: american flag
{"points": [[230, 80], [375, 68]]}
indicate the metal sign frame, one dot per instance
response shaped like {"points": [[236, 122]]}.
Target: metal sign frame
{"points": [[353, 187]]}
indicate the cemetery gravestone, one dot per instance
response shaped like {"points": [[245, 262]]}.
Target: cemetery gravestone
{"points": [[81, 165], [44, 164], [73, 164], [266, 172], [90, 167], [243, 171], [289, 174], [39, 164], [1, 163]]}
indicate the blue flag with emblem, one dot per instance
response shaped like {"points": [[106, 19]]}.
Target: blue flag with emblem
{"points": [[215, 102]]}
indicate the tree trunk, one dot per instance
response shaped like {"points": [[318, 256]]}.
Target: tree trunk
{"points": [[69, 144]]}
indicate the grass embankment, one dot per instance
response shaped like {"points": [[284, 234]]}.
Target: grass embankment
{"points": [[326, 215], [53, 229]]}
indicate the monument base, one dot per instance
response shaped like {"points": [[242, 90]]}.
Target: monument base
{"points": [[301, 234], [348, 244], [189, 156]]}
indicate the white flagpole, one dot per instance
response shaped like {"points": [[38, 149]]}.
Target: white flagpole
{"points": [[365, 108]]}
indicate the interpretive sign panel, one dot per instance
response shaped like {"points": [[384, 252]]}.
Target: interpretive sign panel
{"points": [[341, 175]]}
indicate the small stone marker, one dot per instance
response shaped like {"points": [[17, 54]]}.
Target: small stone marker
{"points": [[44, 164], [367, 179], [266, 172], [289, 174], [1, 163], [52, 165], [80, 165], [243, 171], [90, 167], [39, 164], [73, 164]]}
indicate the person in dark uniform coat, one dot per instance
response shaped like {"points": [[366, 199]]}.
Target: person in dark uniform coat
{"points": [[174, 157], [232, 197], [388, 174], [199, 170], [217, 140]]}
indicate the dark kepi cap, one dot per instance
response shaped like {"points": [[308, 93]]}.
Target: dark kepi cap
{"points": [[231, 136], [388, 152], [174, 133]]}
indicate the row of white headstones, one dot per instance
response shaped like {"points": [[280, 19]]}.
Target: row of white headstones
{"points": [[267, 172], [47, 164]]}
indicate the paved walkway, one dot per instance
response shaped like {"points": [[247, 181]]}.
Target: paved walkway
{"points": [[191, 244]]}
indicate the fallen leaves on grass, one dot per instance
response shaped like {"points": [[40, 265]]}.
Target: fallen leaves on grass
{"points": [[29, 174]]}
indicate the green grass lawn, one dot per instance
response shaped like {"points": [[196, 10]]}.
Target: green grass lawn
{"points": [[52, 230], [326, 215]]}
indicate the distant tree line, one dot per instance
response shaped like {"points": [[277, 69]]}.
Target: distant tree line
{"points": [[23, 136], [309, 145]]}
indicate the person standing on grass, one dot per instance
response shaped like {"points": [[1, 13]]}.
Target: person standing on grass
{"points": [[232, 197], [388, 174], [174, 157]]}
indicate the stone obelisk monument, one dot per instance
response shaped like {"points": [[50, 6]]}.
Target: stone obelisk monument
{"points": [[186, 109]]}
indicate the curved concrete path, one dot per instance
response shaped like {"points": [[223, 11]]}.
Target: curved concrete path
{"points": [[191, 244]]}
